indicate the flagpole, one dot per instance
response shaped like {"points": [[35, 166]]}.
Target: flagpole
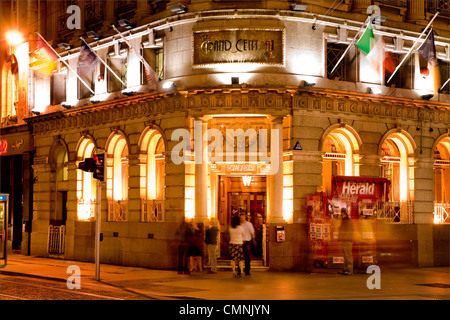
{"points": [[106, 65], [67, 65], [445, 83], [412, 48], [349, 46]]}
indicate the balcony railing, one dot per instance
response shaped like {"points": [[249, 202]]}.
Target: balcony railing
{"points": [[117, 210], [442, 213], [152, 210], [398, 212], [56, 239]]}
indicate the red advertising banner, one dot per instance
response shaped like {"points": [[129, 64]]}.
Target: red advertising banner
{"points": [[355, 189]]}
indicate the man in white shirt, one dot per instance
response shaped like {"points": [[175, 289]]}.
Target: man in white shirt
{"points": [[249, 236]]}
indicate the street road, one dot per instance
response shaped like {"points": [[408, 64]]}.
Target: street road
{"points": [[27, 288]]}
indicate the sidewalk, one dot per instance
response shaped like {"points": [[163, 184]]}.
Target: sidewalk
{"points": [[396, 284]]}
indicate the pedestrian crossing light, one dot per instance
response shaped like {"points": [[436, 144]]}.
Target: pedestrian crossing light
{"points": [[95, 165], [87, 165], [99, 172]]}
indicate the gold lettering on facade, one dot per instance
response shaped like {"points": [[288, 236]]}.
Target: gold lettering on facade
{"points": [[241, 46]]}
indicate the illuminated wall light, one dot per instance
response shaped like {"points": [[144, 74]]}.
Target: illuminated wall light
{"points": [[14, 38], [306, 62], [374, 90], [226, 78], [168, 85]]}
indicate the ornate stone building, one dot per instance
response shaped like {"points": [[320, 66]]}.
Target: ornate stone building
{"points": [[262, 67]]}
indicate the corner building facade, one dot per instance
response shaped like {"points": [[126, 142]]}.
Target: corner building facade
{"points": [[259, 68]]}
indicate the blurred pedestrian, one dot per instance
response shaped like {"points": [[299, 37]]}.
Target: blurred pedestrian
{"points": [[195, 250], [184, 231], [211, 234], [346, 237], [236, 250], [248, 240]]}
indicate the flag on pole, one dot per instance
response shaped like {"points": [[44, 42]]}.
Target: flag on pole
{"points": [[374, 50], [365, 43], [150, 74], [429, 68], [46, 57], [87, 61]]}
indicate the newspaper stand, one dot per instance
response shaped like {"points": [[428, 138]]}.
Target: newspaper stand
{"points": [[363, 198]]}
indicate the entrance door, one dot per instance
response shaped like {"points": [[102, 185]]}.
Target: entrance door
{"points": [[236, 198]]}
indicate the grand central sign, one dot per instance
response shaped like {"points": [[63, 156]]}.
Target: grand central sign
{"points": [[238, 46]]}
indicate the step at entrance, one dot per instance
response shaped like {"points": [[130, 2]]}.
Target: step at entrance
{"points": [[222, 264]]}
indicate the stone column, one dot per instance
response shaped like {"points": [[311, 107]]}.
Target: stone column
{"points": [[275, 179], [370, 165], [361, 5], [41, 207], [423, 210], [201, 169], [307, 179], [416, 10]]}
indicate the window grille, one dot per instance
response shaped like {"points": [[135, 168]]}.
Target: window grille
{"points": [[334, 53], [152, 210]]}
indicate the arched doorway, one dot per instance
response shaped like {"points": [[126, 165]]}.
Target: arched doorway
{"points": [[59, 176]]}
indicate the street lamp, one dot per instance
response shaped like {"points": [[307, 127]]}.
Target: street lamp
{"points": [[14, 38]]}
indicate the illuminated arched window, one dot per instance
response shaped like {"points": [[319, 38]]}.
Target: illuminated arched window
{"points": [[397, 150], [117, 178], [9, 89], [86, 184], [341, 154], [152, 176], [442, 171]]}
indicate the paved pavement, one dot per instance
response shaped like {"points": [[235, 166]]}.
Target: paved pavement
{"points": [[262, 295], [323, 284]]}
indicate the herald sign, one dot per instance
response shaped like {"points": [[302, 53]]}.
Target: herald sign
{"points": [[354, 188]]}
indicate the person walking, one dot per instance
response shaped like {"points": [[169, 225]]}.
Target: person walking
{"points": [[184, 232], [248, 239], [235, 247], [211, 234], [195, 250], [346, 238]]}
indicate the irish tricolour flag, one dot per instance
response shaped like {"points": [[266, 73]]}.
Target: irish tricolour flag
{"points": [[377, 61]]}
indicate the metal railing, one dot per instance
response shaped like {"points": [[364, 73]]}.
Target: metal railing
{"points": [[398, 212], [152, 210], [117, 210], [56, 239], [442, 213]]}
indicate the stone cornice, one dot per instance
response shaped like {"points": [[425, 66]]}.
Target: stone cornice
{"points": [[281, 101]]}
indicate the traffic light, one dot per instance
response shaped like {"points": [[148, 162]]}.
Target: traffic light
{"points": [[99, 172], [87, 165]]}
